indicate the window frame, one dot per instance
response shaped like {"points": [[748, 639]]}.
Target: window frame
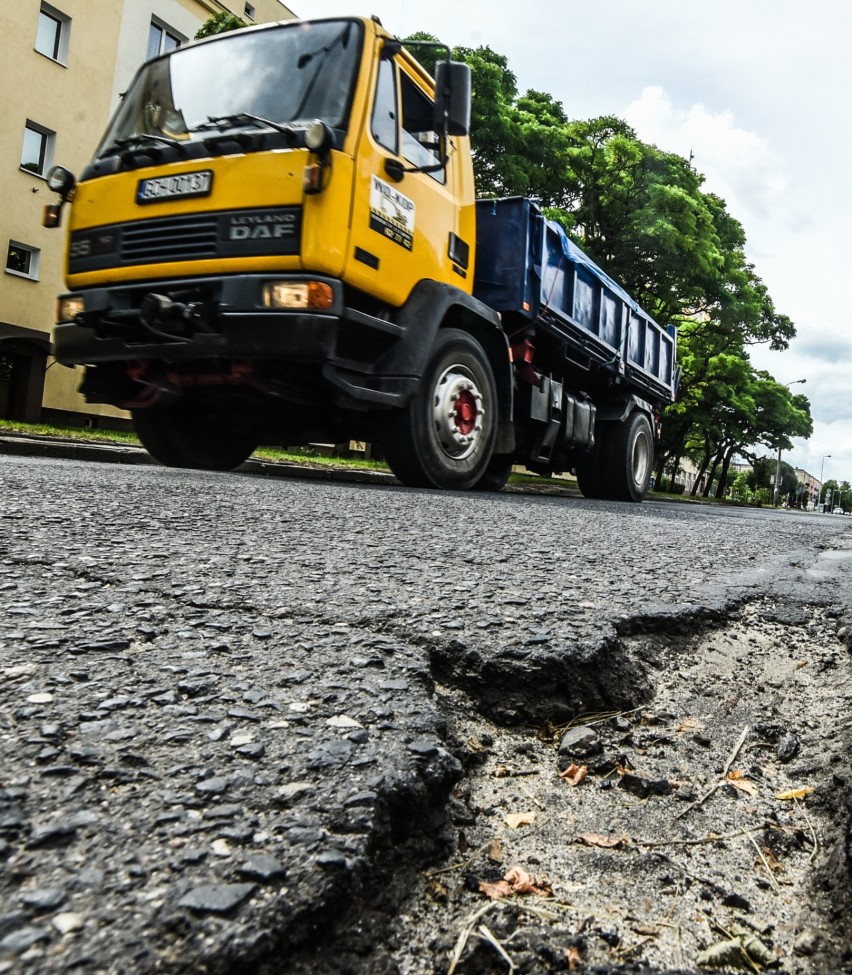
{"points": [[437, 156], [31, 274], [387, 70], [46, 149], [63, 30], [166, 31]]}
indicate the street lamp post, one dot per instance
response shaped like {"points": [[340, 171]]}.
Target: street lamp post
{"points": [[776, 493], [821, 469]]}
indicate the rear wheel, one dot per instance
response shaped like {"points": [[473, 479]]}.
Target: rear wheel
{"points": [[445, 437], [628, 459], [197, 435]]}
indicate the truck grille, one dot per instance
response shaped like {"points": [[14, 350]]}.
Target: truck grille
{"points": [[173, 239], [193, 237]]}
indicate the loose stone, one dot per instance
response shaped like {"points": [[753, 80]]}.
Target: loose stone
{"points": [[216, 898]]}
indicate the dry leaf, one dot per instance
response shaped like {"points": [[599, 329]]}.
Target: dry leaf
{"points": [[605, 842], [516, 820], [739, 781], [648, 930], [574, 774], [805, 790], [495, 850], [689, 724], [525, 883], [495, 891], [516, 881]]}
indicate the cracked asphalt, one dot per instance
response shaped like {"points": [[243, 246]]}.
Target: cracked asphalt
{"points": [[223, 749]]}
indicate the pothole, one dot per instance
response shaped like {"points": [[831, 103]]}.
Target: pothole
{"points": [[703, 827]]}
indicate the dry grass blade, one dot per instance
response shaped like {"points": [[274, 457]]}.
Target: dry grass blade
{"points": [[485, 933], [463, 938]]}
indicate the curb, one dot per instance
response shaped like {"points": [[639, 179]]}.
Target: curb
{"points": [[67, 449]]}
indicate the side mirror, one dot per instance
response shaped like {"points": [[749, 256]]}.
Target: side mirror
{"points": [[452, 97]]}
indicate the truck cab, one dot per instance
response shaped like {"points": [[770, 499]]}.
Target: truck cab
{"points": [[276, 242]]}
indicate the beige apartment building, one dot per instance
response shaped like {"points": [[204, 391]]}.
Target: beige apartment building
{"points": [[64, 67]]}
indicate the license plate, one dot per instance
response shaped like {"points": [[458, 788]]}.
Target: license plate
{"points": [[168, 187]]}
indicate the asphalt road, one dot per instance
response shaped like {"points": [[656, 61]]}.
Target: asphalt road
{"points": [[221, 741]]}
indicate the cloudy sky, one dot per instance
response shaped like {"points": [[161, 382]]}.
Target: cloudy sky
{"points": [[758, 91]]}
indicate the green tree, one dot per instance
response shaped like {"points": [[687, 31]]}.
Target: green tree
{"points": [[644, 216], [219, 23]]}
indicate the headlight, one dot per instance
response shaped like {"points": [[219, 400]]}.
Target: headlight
{"points": [[60, 180], [318, 136], [297, 295], [69, 307]]}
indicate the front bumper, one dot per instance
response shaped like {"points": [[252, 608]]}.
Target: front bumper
{"points": [[224, 318]]}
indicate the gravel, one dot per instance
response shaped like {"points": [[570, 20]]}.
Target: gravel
{"points": [[246, 720]]}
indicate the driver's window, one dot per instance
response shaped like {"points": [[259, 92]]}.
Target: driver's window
{"points": [[383, 126], [421, 144]]}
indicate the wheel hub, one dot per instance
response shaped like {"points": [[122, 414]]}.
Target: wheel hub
{"points": [[457, 409]]}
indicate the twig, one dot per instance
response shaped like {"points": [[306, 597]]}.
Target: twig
{"points": [[804, 812], [531, 797], [722, 780], [765, 862], [458, 866], [735, 752], [710, 838]]}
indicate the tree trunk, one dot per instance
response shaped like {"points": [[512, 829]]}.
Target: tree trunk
{"points": [[726, 466]]}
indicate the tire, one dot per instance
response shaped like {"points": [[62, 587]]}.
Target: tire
{"points": [[445, 437], [589, 474], [627, 459], [195, 435], [496, 475]]}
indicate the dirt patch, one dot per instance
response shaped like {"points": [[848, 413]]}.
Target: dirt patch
{"points": [[705, 828]]}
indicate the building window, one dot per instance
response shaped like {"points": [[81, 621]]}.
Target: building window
{"points": [[52, 33], [249, 10], [37, 151], [162, 39], [22, 260]]}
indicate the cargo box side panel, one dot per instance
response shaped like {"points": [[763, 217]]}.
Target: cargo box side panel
{"points": [[501, 278]]}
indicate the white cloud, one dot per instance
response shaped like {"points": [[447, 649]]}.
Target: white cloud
{"points": [[740, 166]]}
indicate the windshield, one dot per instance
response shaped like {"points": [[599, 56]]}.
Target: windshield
{"points": [[289, 75]]}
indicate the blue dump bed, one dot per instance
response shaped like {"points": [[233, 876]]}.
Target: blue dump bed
{"points": [[527, 265]]}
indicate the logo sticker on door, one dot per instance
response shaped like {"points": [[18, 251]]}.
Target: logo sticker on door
{"points": [[391, 213]]}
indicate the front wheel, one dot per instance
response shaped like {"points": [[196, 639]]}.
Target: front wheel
{"points": [[628, 459], [196, 435], [445, 437]]}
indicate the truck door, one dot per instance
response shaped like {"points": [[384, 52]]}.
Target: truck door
{"points": [[401, 228]]}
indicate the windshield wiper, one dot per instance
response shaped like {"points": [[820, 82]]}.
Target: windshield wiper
{"points": [[241, 118], [342, 39], [138, 140]]}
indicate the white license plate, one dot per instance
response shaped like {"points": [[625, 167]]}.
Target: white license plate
{"points": [[168, 187]]}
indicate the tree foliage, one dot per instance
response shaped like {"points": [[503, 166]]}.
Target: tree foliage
{"points": [[219, 23], [645, 217]]}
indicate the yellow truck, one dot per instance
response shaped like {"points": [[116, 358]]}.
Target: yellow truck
{"points": [[278, 242]]}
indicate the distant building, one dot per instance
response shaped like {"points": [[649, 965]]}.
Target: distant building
{"points": [[63, 69], [809, 489]]}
